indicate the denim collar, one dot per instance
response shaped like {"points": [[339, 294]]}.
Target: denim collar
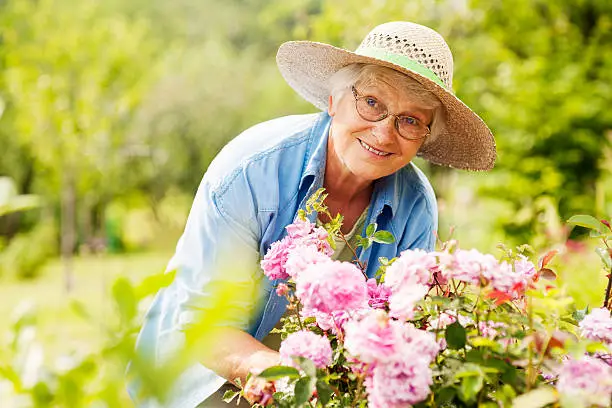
{"points": [[316, 157]]}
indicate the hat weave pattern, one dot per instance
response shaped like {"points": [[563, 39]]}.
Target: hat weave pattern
{"points": [[416, 42]]}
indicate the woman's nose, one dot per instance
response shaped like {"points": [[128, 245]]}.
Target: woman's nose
{"points": [[385, 130]]}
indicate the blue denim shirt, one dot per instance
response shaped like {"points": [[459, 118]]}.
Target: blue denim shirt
{"points": [[250, 192]]}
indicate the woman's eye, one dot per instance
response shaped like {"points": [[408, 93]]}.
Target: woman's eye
{"points": [[409, 121], [373, 103]]}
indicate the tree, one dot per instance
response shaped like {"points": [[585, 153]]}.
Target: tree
{"points": [[74, 76]]}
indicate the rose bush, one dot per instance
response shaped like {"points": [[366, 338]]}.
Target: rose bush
{"points": [[448, 328]]}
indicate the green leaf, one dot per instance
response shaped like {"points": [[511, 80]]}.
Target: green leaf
{"points": [[455, 335], [229, 395], [383, 237], [445, 395], [79, 309], [125, 298], [484, 342], [496, 364], [324, 392], [579, 314], [470, 386], [304, 388], [587, 221], [42, 394], [605, 256], [371, 228], [474, 356], [364, 242], [152, 284], [307, 365], [276, 372], [537, 398]]}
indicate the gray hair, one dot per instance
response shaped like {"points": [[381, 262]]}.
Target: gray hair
{"points": [[342, 80]]}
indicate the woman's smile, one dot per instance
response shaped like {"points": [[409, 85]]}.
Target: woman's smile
{"points": [[373, 150]]}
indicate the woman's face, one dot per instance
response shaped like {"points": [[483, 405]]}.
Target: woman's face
{"points": [[371, 150]]}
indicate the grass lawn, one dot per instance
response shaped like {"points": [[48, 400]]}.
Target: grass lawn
{"points": [[61, 330]]}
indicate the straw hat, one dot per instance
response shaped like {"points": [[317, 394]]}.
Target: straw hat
{"points": [[412, 49]]}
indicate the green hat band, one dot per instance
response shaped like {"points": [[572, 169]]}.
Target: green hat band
{"points": [[402, 61]]}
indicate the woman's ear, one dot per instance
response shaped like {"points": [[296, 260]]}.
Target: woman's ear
{"points": [[331, 109]]}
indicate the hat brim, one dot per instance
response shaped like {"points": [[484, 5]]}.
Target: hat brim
{"points": [[465, 141]]}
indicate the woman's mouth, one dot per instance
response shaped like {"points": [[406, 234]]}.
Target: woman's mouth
{"points": [[372, 150]]}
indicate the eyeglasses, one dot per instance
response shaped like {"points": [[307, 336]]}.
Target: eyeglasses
{"points": [[372, 110]]}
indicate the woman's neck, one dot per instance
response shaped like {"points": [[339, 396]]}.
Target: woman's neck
{"points": [[348, 194]]}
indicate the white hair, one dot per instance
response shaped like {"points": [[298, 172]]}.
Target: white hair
{"points": [[365, 75]]}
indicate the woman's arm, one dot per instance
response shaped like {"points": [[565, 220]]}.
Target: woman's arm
{"points": [[238, 354]]}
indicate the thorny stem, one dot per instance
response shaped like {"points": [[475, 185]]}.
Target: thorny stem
{"points": [[476, 303], [438, 286], [609, 287], [359, 263], [359, 387], [530, 368], [297, 312]]}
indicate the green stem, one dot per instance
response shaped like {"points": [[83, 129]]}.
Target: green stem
{"points": [[359, 388], [609, 287], [297, 311], [530, 367], [361, 265]]}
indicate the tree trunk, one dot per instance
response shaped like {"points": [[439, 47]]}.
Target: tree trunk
{"points": [[68, 228]]}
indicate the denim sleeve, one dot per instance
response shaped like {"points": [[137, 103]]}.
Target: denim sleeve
{"points": [[219, 247]]}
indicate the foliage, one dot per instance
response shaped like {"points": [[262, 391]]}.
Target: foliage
{"points": [[602, 230], [25, 254], [11, 201], [124, 92], [77, 380]]}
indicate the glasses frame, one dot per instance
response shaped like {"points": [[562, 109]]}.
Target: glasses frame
{"points": [[358, 97]]}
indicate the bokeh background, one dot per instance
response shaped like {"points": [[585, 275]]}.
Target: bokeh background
{"points": [[111, 112]]}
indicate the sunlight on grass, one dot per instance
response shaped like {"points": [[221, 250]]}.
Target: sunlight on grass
{"points": [[60, 328]]}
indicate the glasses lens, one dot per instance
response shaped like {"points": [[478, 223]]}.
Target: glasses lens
{"points": [[370, 108], [411, 128]]}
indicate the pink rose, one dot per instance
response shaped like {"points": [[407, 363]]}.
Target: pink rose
{"points": [[308, 345], [332, 287]]}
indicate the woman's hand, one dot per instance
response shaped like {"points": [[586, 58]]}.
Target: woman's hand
{"points": [[236, 354]]}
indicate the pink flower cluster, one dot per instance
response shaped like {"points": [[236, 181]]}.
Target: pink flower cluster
{"points": [[491, 329], [415, 266], [409, 279], [469, 266], [397, 356], [308, 345], [331, 287], [260, 391], [483, 269], [301, 234], [587, 381], [445, 319], [597, 326], [378, 294]]}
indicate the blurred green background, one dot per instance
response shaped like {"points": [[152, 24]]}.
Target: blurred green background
{"points": [[111, 112]]}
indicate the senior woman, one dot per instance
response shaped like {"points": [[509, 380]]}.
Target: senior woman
{"points": [[384, 104]]}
